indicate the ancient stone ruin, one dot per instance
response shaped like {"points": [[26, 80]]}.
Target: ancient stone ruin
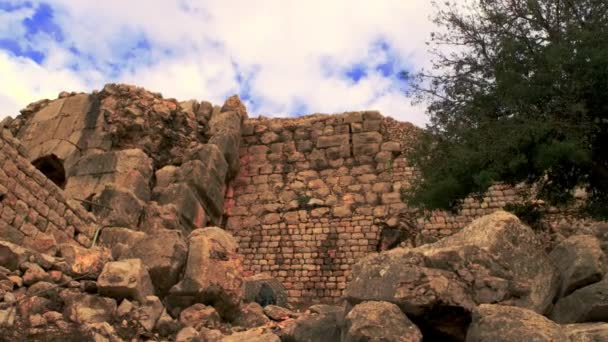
{"points": [[125, 215]]}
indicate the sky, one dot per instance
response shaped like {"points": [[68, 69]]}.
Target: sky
{"points": [[282, 57]]}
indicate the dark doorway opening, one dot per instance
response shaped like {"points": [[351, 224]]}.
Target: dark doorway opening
{"points": [[52, 168]]}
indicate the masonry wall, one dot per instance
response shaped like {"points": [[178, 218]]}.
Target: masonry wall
{"points": [[33, 210], [313, 194]]}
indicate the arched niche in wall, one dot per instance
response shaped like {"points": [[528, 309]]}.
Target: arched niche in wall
{"points": [[52, 168]]}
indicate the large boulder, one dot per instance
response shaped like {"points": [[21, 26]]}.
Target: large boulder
{"points": [[84, 262], [129, 169], [164, 254], [439, 284], [251, 316], [205, 173], [265, 290], [380, 321], [587, 304], [501, 323], [213, 274], [191, 212], [117, 207], [199, 316], [580, 261], [321, 323], [125, 279], [84, 308]]}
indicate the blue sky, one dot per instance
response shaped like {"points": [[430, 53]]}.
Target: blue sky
{"points": [[283, 57]]}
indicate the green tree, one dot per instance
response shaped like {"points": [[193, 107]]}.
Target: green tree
{"points": [[518, 91]]}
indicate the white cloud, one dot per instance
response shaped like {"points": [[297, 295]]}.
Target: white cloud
{"points": [[24, 81], [278, 43]]}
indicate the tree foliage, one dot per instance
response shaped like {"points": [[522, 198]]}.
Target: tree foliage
{"points": [[518, 91]]}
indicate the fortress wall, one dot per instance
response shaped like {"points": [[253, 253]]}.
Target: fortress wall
{"points": [[313, 194], [33, 210]]}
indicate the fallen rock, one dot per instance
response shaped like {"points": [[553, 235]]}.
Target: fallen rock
{"points": [[323, 324], [213, 274], [164, 254], [264, 289], [12, 255], [251, 316], [111, 236], [509, 323], [187, 334], [253, 335], [587, 304], [187, 203], [102, 331], [125, 279], [438, 285], [380, 321], [167, 325], [34, 273], [148, 313], [277, 313], [117, 207], [84, 262], [87, 308], [200, 315], [210, 335], [580, 261], [206, 175]]}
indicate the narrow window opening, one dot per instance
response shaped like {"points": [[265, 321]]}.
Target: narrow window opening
{"points": [[52, 168]]}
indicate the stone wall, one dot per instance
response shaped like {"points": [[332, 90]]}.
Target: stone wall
{"points": [[314, 194], [310, 196], [33, 210]]}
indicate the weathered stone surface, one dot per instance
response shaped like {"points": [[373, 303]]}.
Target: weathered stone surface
{"points": [[89, 309], [187, 334], [126, 278], [581, 262], [128, 169], [210, 335], [164, 254], [334, 140], [213, 273], [509, 323], [12, 255], [199, 316], [11, 234], [228, 143], [586, 332], [166, 325], [587, 304], [277, 313], [381, 321], [191, 212], [251, 315], [206, 177], [84, 261], [253, 335], [111, 236], [264, 289], [33, 274], [441, 283], [148, 313], [322, 325], [117, 207]]}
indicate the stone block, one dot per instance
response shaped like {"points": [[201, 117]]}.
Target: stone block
{"points": [[333, 140], [125, 279]]}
